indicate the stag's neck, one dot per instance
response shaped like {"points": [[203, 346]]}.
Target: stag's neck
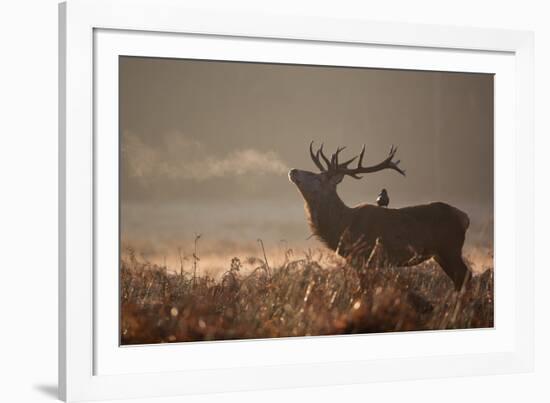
{"points": [[328, 218]]}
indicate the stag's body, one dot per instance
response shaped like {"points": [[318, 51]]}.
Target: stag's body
{"points": [[398, 237]]}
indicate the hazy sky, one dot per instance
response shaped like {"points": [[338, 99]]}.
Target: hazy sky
{"points": [[206, 146]]}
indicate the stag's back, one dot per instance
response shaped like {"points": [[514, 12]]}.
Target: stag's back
{"points": [[409, 234]]}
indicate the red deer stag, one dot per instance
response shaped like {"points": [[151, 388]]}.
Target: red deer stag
{"points": [[407, 236]]}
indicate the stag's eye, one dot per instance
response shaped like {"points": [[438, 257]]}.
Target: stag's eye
{"points": [[317, 180]]}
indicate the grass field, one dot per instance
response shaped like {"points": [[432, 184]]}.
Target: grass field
{"points": [[311, 294]]}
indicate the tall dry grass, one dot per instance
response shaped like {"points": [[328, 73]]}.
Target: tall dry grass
{"points": [[315, 294]]}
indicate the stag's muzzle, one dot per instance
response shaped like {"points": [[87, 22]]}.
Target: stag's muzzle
{"points": [[292, 175]]}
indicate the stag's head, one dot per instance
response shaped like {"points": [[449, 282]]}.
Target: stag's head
{"points": [[317, 186]]}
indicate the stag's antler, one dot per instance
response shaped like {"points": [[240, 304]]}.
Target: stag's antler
{"points": [[333, 166]]}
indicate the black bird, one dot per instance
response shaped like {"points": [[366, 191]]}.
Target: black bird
{"points": [[383, 199]]}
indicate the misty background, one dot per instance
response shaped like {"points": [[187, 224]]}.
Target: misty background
{"points": [[206, 147]]}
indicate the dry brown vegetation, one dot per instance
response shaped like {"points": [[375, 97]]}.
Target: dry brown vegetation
{"points": [[312, 295]]}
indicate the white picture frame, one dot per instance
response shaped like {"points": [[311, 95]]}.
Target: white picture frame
{"points": [[92, 365]]}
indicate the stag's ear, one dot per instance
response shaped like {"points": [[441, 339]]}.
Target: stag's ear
{"points": [[335, 179]]}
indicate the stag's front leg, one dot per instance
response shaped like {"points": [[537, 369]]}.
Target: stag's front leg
{"points": [[375, 260]]}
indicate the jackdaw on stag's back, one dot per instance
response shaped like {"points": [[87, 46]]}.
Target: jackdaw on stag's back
{"points": [[383, 199]]}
